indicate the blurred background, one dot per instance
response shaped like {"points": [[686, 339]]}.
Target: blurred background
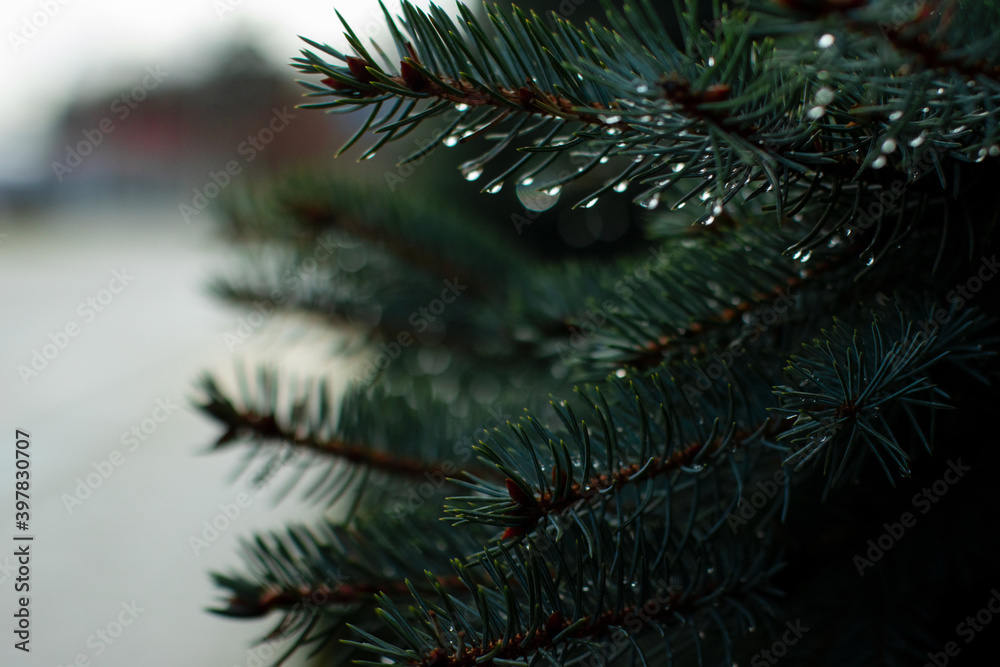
{"points": [[115, 114], [120, 124]]}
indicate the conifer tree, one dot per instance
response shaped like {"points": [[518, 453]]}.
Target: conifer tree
{"points": [[762, 433]]}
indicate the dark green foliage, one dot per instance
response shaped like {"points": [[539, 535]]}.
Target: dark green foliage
{"points": [[628, 459]]}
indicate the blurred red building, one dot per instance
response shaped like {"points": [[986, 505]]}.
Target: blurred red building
{"points": [[166, 137]]}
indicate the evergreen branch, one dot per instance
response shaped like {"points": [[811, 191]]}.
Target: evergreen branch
{"points": [[567, 606], [593, 534], [614, 466], [915, 38], [697, 284], [917, 35], [432, 239], [323, 578], [360, 433], [630, 94], [846, 386]]}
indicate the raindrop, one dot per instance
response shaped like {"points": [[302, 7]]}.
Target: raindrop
{"points": [[621, 186], [940, 91], [826, 41], [868, 259], [612, 131], [816, 113], [709, 220], [461, 108], [889, 145], [604, 160], [651, 202], [895, 115], [677, 167], [805, 257], [590, 202], [705, 195], [451, 141], [711, 61], [918, 140], [824, 96], [994, 150], [554, 190], [611, 120], [495, 188], [717, 209], [879, 162], [642, 89], [472, 174], [370, 156], [620, 373], [527, 181]]}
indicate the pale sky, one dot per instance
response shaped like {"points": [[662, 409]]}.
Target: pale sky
{"points": [[55, 50]]}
